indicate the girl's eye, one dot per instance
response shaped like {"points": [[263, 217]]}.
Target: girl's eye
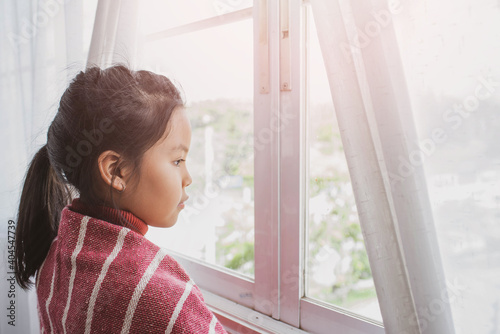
{"points": [[178, 162]]}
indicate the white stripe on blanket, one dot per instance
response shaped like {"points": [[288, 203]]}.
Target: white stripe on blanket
{"points": [[78, 248], [47, 303], [213, 323], [140, 288], [104, 270], [178, 308]]}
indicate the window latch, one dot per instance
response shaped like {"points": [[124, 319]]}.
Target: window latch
{"points": [[285, 47]]}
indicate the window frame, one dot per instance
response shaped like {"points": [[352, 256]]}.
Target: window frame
{"points": [[306, 313]]}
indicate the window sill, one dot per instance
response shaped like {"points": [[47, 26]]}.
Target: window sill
{"points": [[240, 319]]}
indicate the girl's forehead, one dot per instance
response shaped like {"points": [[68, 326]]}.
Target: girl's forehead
{"points": [[178, 133], [180, 123]]}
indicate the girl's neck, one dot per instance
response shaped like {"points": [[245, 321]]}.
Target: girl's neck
{"points": [[109, 214]]}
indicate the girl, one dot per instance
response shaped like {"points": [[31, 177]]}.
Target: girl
{"points": [[120, 139]]}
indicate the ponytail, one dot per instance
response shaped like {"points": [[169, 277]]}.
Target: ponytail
{"points": [[43, 197]]}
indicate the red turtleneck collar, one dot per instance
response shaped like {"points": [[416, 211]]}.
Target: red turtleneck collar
{"points": [[109, 214]]}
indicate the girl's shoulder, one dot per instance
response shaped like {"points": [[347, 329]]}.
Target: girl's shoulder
{"points": [[102, 266], [128, 251]]}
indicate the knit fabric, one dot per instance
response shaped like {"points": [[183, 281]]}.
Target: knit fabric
{"points": [[110, 215], [99, 277]]}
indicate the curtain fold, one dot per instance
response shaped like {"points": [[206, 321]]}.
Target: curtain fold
{"points": [[42, 48], [384, 74], [115, 34], [372, 107]]}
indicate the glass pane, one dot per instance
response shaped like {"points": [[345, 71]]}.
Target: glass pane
{"points": [[215, 69], [450, 51], [338, 271], [158, 15]]}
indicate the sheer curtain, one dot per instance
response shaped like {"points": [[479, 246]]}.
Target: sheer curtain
{"points": [[415, 87], [115, 34], [450, 52], [43, 44]]}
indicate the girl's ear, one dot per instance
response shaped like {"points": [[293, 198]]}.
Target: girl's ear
{"points": [[110, 171]]}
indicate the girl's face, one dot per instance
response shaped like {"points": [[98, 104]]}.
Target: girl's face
{"points": [[160, 193]]}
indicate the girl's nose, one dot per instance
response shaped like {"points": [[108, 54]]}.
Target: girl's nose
{"points": [[187, 179]]}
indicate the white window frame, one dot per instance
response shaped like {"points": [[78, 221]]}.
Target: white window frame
{"points": [[311, 315], [274, 301]]}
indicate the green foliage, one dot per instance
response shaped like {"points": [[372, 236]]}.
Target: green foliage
{"points": [[325, 133], [244, 254], [248, 181], [360, 265], [338, 226], [232, 142], [232, 252], [351, 298], [318, 185]]}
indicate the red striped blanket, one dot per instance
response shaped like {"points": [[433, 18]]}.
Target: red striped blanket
{"points": [[103, 278]]}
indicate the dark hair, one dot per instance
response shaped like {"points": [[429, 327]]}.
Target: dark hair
{"points": [[112, 109]]}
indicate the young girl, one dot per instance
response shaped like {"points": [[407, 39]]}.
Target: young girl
{"points": [[120, 139]]}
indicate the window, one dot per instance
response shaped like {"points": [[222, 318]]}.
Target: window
{"points": [[209, 52], [338, 271], [215, 68], [161, 16], [243, 234]]}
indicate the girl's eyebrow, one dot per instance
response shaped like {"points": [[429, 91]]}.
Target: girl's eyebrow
{"points": [[180, 147]]}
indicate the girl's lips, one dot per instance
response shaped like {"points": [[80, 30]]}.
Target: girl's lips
{"points": [[181, 204]]}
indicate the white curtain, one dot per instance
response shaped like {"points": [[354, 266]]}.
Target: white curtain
{"points": [[365, 157], [43, 44], [416, 89], [115, 34]]}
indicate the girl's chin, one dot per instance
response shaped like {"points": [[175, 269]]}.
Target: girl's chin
{"points": [[169, 222]]}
